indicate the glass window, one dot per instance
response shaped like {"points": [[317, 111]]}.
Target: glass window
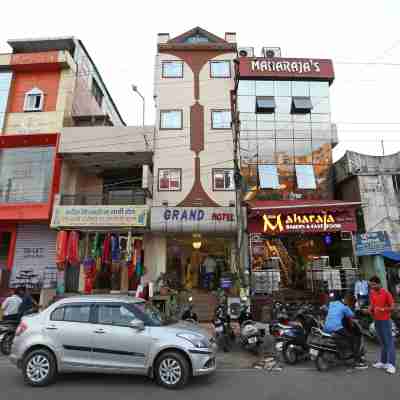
{"points": [[284, 151], [322, 152], [303, 151], [97, 92], [221, 119], [302, 130], [246, 104], [172, 69], [77, 313], [264, 88], [284, 130], [223, 179], [283, 105], [265, 150], [171, 119], [300, 89], [265, 105], [248, 121], [320, 105], [57, 315], [266, 128], [268, 175], [247, 88], [34, 100], [301, 117], [5, 84], [26, 174], [265, 122], [220, 69], [169, 179], [305, 177], [301, 105], [320, 118], [115, 315], [319, 89], [283, 89], [321, 131]]}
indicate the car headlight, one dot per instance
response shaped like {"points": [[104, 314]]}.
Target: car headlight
{"points": [[196, 340]]}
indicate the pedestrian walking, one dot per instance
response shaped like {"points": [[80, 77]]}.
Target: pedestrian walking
{"points": [[381, 307], [11, 304]]}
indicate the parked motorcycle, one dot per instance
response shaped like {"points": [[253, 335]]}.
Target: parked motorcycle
{"points": [[292, 339], [326, 353], [251, 336], [189, 315], [222, 326]]}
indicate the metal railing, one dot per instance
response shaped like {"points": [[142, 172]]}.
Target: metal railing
{"points": [[135, 197]]}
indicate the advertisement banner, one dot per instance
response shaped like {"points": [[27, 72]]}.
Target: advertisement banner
{"points": [[372, 243], [100, 216]]}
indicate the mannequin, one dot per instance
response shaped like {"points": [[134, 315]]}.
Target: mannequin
{"points": [[361, 291]]}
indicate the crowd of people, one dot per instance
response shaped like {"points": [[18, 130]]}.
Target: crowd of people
{"points": [[14, 306]]}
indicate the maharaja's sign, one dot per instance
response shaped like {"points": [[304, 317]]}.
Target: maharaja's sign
{"points": [[300, 222]]}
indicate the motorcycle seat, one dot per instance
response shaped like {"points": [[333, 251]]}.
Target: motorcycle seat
{"points": [[326, 334]]}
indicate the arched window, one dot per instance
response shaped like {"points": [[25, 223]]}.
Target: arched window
{"points": [[34, 100]]}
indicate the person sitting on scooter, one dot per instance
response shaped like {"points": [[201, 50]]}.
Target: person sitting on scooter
{"points": [[339, 314]]}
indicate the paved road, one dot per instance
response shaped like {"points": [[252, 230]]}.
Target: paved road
{"points": [[295, 383]]}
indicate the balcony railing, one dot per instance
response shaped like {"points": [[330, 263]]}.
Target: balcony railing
{"points": [[134, 197]]}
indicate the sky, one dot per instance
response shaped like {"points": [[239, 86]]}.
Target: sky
{"points": [[360, 36]]}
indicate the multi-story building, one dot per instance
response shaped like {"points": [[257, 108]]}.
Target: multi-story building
{"points": [[285, 137], [374, 181], [46, 84], [193, 214]]}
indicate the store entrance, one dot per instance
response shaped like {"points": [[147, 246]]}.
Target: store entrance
{"points": [[198, 268]]}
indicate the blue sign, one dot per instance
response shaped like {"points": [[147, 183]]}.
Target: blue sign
{"points": [[372, 243]]}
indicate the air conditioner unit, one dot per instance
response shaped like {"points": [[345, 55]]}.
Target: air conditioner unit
{"points": [[271, 52], [246, 51]]}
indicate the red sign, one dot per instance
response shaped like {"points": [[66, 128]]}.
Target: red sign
{"points": [[295, 68]]}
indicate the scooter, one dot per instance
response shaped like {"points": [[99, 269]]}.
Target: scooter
{"points": [[223, 329], [324, 350], [251, 337], [189, 315]]}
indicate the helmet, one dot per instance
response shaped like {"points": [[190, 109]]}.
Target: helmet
{"points": [[335, 296]]}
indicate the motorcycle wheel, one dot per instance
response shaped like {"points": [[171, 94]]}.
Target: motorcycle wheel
{"points": [[290, 355], [6, 344], [322, 363]]}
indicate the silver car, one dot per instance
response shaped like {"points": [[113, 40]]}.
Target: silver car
{"points": [[110, 334]]}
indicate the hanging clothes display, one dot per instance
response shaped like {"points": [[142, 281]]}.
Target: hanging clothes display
{"points": [[106, 254], [72, 256], [61, 249], [139, 258]]}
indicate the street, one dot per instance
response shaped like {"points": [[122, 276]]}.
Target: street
{"points": [[301, 382]]}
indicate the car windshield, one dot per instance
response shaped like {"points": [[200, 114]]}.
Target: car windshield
{"points": [[150, 314]]}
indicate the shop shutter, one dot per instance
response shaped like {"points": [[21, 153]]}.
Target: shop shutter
{"points": [[35, 254]]}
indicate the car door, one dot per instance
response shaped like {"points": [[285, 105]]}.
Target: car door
{"points": [[70, 329], [116, 344]]}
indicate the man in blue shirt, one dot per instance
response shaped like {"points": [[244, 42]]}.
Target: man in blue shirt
{"points": [[338, 312]]}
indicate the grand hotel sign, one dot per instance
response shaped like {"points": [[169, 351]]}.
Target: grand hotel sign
{"points": [[281, 68]]}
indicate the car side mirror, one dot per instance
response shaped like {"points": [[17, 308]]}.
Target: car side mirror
{"points": [[137, 324]]}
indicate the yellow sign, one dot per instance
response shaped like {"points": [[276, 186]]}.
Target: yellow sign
{"points": [[279, 223]]}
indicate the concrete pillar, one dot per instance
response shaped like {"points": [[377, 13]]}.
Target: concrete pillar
{"points": [[380, 270], [155, 255]]}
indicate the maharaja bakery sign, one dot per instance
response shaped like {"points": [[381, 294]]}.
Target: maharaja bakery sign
{"points": [[286, 68]]}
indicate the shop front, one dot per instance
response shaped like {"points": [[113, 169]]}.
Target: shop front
{"points": [[197, 250], [100, 249], [301, 249]]}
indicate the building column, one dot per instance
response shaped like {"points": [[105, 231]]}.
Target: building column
{"points": [[155, 255], [380, 269]]}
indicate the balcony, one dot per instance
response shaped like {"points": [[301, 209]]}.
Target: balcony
{"points": [[117, 198]]}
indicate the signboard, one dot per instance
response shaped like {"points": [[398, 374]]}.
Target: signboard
{"points": [[193, 219], [286, 68], [284, 223], [372, 243], [101, 216]]}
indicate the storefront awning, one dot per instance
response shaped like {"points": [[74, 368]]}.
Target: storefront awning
{"points": [[391, 255]]}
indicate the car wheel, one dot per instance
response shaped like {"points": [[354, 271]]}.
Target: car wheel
{"points": [[6, 343], [290, 355], [322, 363], [172, 370], [39, 368]]}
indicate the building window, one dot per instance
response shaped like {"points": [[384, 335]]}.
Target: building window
{"points": [[223, 179], [265, 105], [97, 93], [220, 69], [301, 105], [305, 177], [171, 119], [169, 179], [34, 100], [396, 183], [268, 175], [172, 69], [221, 119]]}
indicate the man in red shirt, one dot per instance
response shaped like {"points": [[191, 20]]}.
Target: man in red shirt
{"points": [[382, 305]]}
